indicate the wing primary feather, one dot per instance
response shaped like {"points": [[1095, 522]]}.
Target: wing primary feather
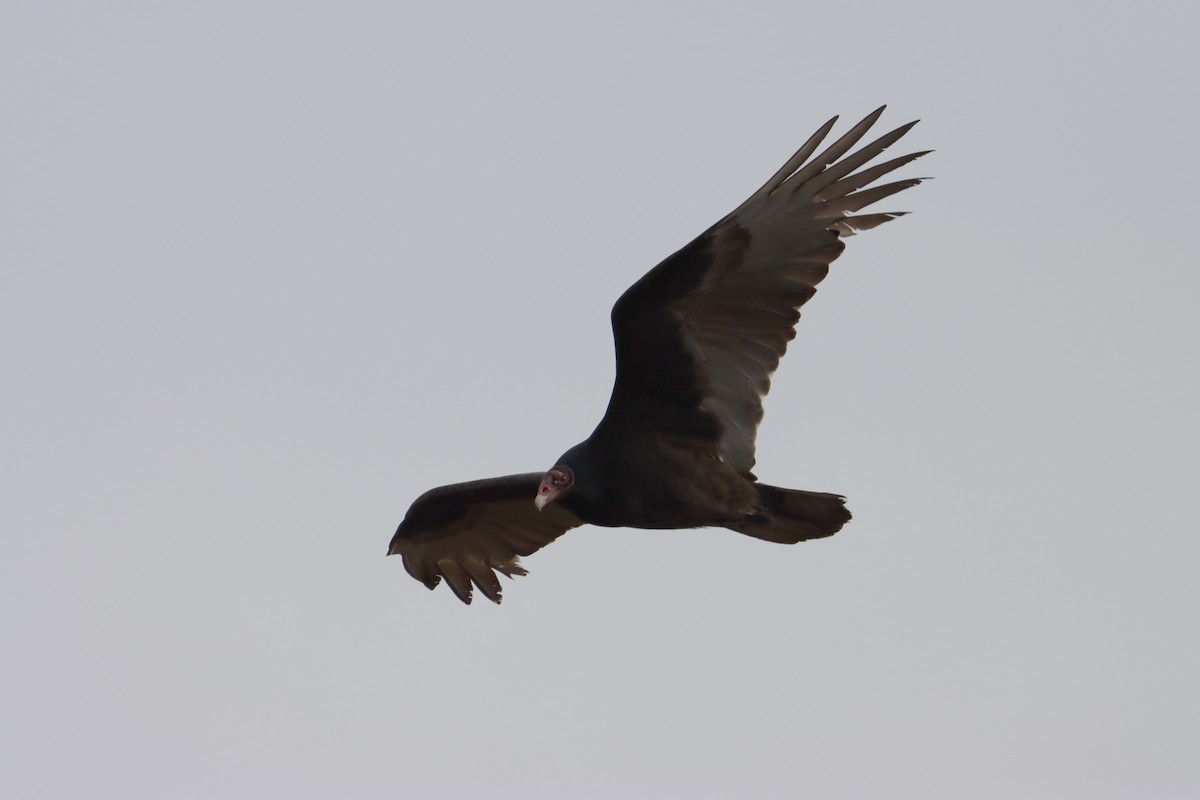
{"points": [[457, 578], [421, 571], [860, 200], [511, 568], [484, 578], [793, 163], [848, 226], [835, 150], [868, 176], [857, 159]]}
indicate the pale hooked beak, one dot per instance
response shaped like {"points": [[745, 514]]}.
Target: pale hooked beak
{"points": [[547, 493]]}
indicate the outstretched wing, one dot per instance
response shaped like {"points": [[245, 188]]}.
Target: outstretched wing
{"points": [[698, 337], [465, 531]]}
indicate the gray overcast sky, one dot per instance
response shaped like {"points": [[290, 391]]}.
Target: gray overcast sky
{"points": [[269, 271]]}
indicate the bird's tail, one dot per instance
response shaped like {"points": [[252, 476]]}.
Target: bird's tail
{"points": [[793, 515]]}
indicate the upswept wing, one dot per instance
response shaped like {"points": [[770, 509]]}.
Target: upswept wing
{"points": [[698, 337], [466, 532]]}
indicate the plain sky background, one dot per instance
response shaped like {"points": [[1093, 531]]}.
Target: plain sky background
{"points": [[268, 271]]}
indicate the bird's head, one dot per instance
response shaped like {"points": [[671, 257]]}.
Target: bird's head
{"points": [[555, 485]]}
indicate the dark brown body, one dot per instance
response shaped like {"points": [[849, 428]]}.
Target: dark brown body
{"points": [[697, 340]]}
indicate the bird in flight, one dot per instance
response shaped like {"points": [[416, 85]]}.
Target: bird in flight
{"points": [[697, 340]]}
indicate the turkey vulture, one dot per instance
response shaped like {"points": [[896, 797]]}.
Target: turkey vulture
{"points": [[697, 339]]}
